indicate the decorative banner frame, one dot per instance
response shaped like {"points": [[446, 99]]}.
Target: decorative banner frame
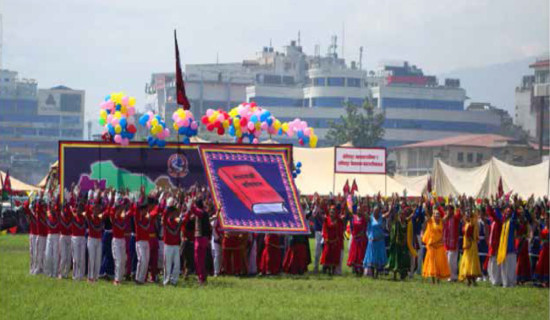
{"points": [[137, 164], [254, 189]]}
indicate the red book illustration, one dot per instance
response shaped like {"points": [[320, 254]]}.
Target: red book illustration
{"points": [[252, 189]]}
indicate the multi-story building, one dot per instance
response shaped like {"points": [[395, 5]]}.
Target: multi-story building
{"points": [[532, 111], [315, 88], [464, 151], [32, 120]]}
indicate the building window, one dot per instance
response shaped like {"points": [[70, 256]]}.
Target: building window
{"points": [[479, 157], [318, 82], [460, 157], [335, 82], [354, 82], [470, 157]]}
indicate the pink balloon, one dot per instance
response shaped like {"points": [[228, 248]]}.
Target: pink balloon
{"points": [[166, 132], [149, 124], [189, 114], [209, 112], [307, 132], [131, 120], [185, 122], [194, 125], [175, 117], [131, 111], [257, 133], [290, 133], [303, 125], [221, 118], [118, 138], [255, 141], [109, 118], [160, 135], [179, 123], [114, 121], [250, 126], [151, 114], [125, 141], [110, 105], [125, 101], [264, 126]]}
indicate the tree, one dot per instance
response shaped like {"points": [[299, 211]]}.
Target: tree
{"points": [[361, 125]]}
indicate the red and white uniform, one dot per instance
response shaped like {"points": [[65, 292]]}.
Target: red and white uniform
{"points": [[172, 239], [78, 243], [95, 232], [119, 243], [451, 232], [65, 221], [42, 228], [142, 245], [52, 243]]}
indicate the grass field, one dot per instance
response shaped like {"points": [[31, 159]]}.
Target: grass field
{"points": [[309, 297]]}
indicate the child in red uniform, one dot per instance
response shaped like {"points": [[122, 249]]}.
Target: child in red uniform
{"points": [[65, 221], [172, 238], [40, 214], [78, 240], [94, 217], [52, 241], [119, 221], [142, 221]]}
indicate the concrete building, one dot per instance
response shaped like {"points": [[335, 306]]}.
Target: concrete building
{"points": [[32, 120], [315, 88], [464, 151], [531, 102]]}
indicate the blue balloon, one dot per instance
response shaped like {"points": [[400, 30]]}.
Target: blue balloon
{"points": [[298, 164], [108, 97], [118, 107], [161, 143], [280, 132], [158, 117], [232, 131], [186, 140], [181, 131], [151, 141], [269, 121], [111, 129], [143, 119], [300, 134], [294, 175], [123, 122], [306, 139], [298, 171], [254, 119]]}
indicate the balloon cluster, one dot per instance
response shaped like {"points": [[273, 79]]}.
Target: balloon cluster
{"points": [[248, 120], [157, 129], [305, 134], [116, 115], [297, 170], [185, 124]]}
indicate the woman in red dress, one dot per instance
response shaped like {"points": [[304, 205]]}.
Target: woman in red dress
{"points": [[523, 266], [332, 230], [271, 255], [358, 242], [234, 253], [297, 256], [541, 269]]}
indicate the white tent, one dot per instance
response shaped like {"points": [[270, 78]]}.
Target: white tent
{"points": [[414, 184], [318, 176], [483, 181]]}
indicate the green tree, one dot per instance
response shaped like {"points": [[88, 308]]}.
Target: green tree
{"points": [[361, 125]]}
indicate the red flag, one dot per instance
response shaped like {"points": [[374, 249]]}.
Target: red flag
{"points": [[429, 186], [354, 187], [346, 188], [180, 86], [13, 230], [7, 183], [500, 191]]}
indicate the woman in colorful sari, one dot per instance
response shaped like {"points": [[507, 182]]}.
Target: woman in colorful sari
{"points": [[399, 260], [523, 266], [358, 242], [435, 264], [469, 268], [375, 257]]}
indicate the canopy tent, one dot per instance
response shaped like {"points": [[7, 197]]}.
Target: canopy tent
{"points": [[483, 181], [317, 175], [414, 185], [17, 185]]}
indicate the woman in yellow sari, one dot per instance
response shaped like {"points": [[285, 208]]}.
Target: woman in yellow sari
{"points": [[470, 268], [435, 264]]}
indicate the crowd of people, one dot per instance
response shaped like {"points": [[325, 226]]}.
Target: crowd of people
{"points": [[157, 237]]}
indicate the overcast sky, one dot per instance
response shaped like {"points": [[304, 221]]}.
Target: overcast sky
{"points": [[106, 45]]}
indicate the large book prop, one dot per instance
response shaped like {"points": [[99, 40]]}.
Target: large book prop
{"points": [[254, 189]]}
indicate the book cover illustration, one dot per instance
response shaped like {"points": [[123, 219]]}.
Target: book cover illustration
{"points": [[252, 189]]}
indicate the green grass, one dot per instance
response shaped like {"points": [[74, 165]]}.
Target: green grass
{"points": [[309, 297]]}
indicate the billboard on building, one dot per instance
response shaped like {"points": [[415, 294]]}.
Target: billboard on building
{"points": [[54, 102], [360, 160]]}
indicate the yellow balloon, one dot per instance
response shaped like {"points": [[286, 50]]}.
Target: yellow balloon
{"points": [[132, 101], [102, 113], [225, 124], [285, 127], [312, 131], [239, 133], [212, 118], [175, 126], [313, 141], [258, 125], [236, 123], [118, 128], [118, 115], [277, 125], [154, 122], [181, 114], [123, 110]]}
